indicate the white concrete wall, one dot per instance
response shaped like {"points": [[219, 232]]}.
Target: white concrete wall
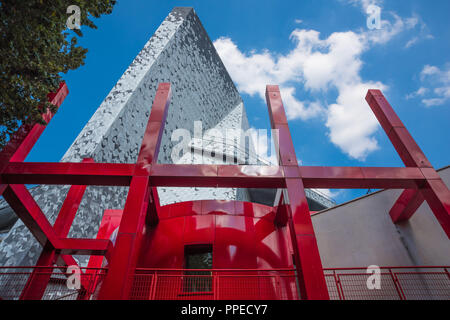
{"points": [[361, 233]]}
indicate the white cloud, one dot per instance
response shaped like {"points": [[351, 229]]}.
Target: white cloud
{"points": [[395, 26], [254, 71], [318, 65], [350, 122], [389, 29], [411, 42], [421, 29], [439, 79], [419, 93], [429, 70], [433, 102], [365, 3]]}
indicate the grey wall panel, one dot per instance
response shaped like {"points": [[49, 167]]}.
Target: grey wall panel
{"points": [[361, 233]]}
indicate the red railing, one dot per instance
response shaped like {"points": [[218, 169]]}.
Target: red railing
{"points": [[215, 284], [15, 280], [397, 283]]}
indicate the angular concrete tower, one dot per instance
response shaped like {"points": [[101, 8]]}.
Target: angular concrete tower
{"points": [[180, 52]]}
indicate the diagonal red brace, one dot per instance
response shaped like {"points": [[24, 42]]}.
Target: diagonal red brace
{"points": [[26, 208], [433, 190], [38, 280], [406, 205]]}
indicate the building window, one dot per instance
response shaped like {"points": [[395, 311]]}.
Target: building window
{"points": [[198, 257]]}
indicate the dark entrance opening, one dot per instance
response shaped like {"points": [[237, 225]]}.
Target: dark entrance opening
{"points": [[198, 257]]}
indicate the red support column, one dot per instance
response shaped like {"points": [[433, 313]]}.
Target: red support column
{"points": [[434, 191], [306, 252], [118, 281]]}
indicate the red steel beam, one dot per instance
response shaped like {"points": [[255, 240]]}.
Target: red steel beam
{"points": [[216, 176], [26, 208], [94, 247], [142, 203], [437, 196], [410, 153], [401, 139], [306, 252], [110, 221], [175, 175], [434, 189], [24, 139], [100, 174], [38, 280], [70, 207], [406, 205], [118, 282], [361, 177], [64, 260], [112, 174]]}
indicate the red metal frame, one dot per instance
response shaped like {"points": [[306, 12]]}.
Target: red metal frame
{"points": [[397, 283], [142, 205]]}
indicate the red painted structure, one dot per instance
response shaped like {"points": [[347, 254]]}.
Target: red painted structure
{"points": [[145, 227]]}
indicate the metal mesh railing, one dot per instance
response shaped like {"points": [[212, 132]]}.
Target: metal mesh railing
{"points": [[50, 282], [396, 283], [182, 284]]}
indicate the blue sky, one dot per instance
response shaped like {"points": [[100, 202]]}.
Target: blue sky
{"points": [[322, 55]]}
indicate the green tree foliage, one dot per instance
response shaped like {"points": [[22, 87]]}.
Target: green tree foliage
{"points": [[36, 48]]}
